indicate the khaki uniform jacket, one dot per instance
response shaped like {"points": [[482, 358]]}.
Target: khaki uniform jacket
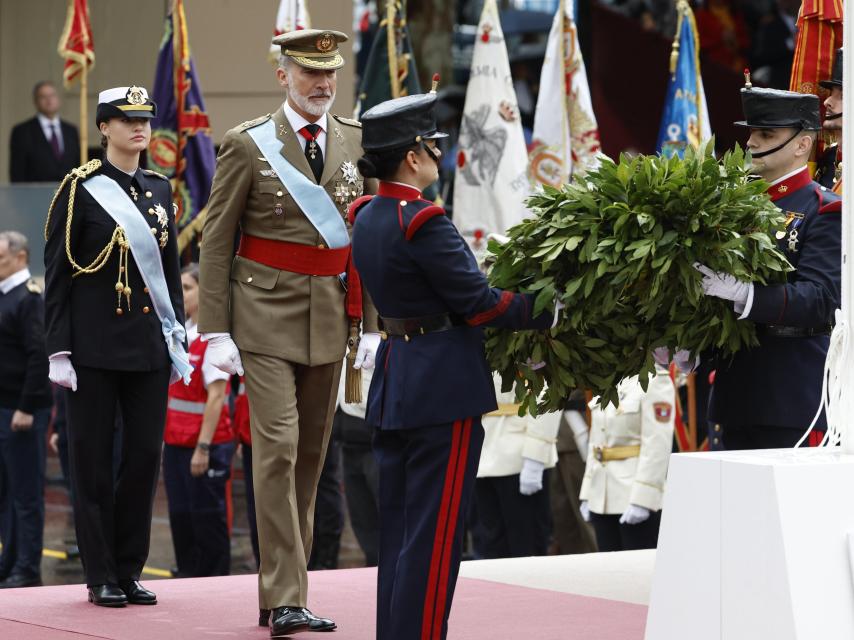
{"points": [[509, 438], [296, 317], [644, 419]]}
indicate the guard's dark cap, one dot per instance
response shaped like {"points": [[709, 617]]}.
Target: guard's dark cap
{"points": [[775, 109], [836, 74], [400, 122], [124, 102]]}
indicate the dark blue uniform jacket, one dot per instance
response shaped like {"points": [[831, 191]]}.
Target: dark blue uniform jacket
{"points": [[779, 382], [414, 263]]}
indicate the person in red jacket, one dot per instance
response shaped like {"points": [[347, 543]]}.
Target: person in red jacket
{"points": [[197, 455]]}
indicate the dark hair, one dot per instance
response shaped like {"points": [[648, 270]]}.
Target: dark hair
{"points": [[39, 85], [384, 164], [193, 270]]}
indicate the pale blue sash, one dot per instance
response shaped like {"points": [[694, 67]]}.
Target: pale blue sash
{"points": [[311, 198], [146, 255]]}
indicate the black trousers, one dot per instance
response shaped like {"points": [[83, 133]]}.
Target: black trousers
{"points": [[197, 511], [426, 481], [766, 437], [361, 485], [512, 525], [113, 516], [613, 536]]}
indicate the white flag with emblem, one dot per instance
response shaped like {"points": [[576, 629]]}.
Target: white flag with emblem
{"points": [[291, 16], [566, 136], [491, 182]]}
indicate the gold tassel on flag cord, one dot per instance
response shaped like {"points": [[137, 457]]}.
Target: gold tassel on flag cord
{"points": [[353, 377], [674, 51]]}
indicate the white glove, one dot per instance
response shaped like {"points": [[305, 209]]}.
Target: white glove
{"points": [[634, 515], [531, 477], [683, 359], [559, 306], [223, 353], [366, 354], [584, 508], [62, 371], [725, 286], [580, 432]]}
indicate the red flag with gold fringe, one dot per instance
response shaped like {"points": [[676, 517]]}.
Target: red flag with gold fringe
{"points": [[819, 36], [75, 44]]}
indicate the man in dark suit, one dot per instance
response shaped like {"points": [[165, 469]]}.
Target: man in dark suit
{"points": [[43, 148]]}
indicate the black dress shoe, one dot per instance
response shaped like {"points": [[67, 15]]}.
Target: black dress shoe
{"points": [[263, 617], [107, 595], [137, 594], [319, 624], [18, 580], [287, 620]]}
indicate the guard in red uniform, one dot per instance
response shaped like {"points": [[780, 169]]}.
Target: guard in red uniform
{"points": [[197, 456]]}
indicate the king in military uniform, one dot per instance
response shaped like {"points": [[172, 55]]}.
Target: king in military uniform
{"points": [[767, 396], [114, 314], [285, 306]]}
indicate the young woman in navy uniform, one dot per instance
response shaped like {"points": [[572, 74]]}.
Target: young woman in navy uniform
{"points": [[114, 317], [766, 397], [431, 384]]}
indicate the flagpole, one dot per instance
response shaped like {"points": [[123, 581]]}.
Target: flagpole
{"points": [[392, 49], [565, 142], [84, 117]]}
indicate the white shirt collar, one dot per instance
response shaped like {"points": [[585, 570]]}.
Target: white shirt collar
{"points": [[297, 122], [48, 122], [403, 184], [788, 175], [14, 280], [192, 331]]}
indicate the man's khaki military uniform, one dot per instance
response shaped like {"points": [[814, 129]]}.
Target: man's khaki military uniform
{"points": [[291, 330]]}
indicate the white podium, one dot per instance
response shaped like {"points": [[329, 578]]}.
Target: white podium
{"points": [[754, 546]]}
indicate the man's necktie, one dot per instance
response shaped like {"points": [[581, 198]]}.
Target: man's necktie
{"points": [[54, 141], [313, 152]]}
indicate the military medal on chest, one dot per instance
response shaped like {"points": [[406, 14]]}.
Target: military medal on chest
{"points": [[162, 235], [348, 189]]}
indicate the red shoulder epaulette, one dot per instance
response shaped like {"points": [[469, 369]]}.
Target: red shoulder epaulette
{"points": [[420, 218], [357, 204]]}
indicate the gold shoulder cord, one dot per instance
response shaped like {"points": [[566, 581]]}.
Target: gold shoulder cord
{"points": [[101, 259]]}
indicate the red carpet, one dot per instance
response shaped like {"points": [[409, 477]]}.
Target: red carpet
{"points": [[225, 608]]}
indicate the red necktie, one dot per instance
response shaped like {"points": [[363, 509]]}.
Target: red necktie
{"points": [[313, 153]]}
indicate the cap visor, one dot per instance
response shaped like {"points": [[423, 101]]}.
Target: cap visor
{"points": [[829, 84], [436, 135]]}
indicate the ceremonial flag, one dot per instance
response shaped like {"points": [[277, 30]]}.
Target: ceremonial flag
{"points": [[291, 16], [491, 182], [181, 145], [390, 70], [819, 36], [686, 117], [566, 136], [78, 49]]}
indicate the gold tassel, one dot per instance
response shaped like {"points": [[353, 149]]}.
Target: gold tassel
{"points": [[353, 377]]}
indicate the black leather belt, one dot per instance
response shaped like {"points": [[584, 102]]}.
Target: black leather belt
{"points": [[410, 327], [779, 331]]}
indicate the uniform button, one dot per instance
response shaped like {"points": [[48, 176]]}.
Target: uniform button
{"points": [[717, 440], [153, 231], [145, 289], [279, 193], [321, 246], [403, 203], [148, 194], [145, 309], [150, 211], [249, 279], [717, 428]]}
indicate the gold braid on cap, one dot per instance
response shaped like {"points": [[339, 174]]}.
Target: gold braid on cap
{"points": [[118, 238]]}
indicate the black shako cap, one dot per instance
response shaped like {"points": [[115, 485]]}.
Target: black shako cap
{"points": [[775, 109], [836, 74], [400, 122]]}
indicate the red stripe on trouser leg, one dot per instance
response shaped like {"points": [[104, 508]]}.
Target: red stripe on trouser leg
{"points": [[442, 589], [438, 540], [815, 438]]}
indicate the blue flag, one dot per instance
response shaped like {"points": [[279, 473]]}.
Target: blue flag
{"points": [[686, 118], [181, 145]]}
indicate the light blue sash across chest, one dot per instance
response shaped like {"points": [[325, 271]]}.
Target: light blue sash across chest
{"points": [[311, 198], [146, 255]]}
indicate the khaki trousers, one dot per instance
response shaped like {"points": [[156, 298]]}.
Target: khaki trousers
{"points": [[291, 407]]}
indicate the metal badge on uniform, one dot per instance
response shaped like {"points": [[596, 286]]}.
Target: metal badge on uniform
{"points": [[277, 209], [662, 411], [162, 216], [350, 172], [267, 173]]}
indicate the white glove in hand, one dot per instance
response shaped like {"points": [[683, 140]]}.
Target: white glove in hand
{"points": [[62, 371], [578, 425], [724, 286], [366, 354], [584, 508], [634, 515], [683, 359], [531, 477], [223, 354]]}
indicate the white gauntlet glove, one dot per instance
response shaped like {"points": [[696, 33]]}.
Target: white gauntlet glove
{"points": [[366, 354], [223, 353], [634, 515], [725, 286], [62, 371], [584, 508], [531, 477]]}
